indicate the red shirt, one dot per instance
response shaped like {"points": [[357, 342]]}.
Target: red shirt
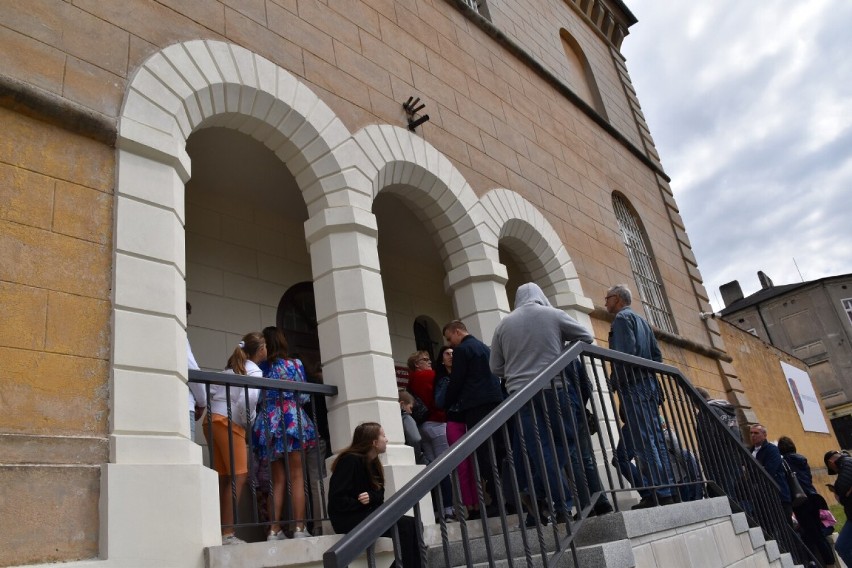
{"points": [[422, 383]]}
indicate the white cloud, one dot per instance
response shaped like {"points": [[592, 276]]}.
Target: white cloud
{"points": [[750, 105]]}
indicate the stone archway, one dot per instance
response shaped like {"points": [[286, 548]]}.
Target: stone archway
{"points": [[155, 483], [410, 168], [532, 240]]}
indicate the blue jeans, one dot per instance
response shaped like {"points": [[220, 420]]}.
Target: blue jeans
{"points": [[644, 434], [550, 466], [623, 460], [843, 545], [583, 461]]}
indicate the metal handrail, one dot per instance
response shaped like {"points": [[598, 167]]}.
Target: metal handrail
{"points": [[232, 380], [245, 383], [685, 408]]}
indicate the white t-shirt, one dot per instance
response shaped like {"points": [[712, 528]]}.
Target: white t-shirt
{"points": [[219, 403]]}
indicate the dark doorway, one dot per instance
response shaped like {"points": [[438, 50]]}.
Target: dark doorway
{"points": [[297, 317], [843, 430]]}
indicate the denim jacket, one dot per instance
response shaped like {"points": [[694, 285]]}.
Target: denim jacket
{"points": [[632, 335]]}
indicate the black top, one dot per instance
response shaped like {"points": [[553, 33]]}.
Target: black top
{"points": [[350, 478], [472, 383], [844, 484], [799, 465]]}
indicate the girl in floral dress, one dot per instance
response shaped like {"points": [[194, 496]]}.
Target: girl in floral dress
{"points": [[283, 431]]}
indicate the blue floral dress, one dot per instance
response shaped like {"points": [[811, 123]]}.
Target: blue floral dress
{"points": [[282, 425]]}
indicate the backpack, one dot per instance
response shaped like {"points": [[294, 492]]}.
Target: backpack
{"points": [[724, 410], [419, 411]]}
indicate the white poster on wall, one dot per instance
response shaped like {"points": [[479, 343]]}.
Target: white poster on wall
{"points": [[805, 399]]}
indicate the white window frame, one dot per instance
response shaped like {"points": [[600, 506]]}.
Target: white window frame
{"points": [[644, 271], [847, 306]]}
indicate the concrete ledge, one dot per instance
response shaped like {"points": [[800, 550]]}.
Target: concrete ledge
{"points": [[757, 539], [636, 524], [291, 553], [740, 522], [772, 551]]}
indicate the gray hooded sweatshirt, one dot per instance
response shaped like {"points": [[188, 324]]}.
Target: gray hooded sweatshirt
{"points": [[531, 337]]}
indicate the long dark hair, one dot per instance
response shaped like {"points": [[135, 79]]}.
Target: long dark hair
{"points": [[362, 442], [276, 344], [786, 446], [441, 369]]}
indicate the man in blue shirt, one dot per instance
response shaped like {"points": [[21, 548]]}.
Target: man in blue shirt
{"points": [[640, 396]]}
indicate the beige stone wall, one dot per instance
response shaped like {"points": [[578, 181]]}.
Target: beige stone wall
{"points": [[536, 26], [500, 124], [55, 269]]}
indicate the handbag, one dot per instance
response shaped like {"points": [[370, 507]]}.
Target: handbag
{"points": [[420, 412], [797, 494]]}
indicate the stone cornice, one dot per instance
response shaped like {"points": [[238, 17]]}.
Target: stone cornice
{"points": [[609, 18], [672, 339], [43, 105]]}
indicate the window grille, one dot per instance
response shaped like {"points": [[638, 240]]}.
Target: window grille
{"points": [[847, 305], [647, 279], [473, 4]]}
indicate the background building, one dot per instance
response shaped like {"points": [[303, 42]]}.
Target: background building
{"points": [[811, 320], [255, 159]]}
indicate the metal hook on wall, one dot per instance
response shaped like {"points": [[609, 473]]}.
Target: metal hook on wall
{"points": [[411, 109]]}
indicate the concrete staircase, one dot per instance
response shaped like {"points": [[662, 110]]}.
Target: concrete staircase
{"points": [[700, 534]]}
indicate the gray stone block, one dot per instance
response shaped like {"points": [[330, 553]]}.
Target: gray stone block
{"points": [[740, 522]]}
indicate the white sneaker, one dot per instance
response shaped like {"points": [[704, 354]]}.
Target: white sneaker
{"points": [[301, 533], [280, 535], [231, 539]]}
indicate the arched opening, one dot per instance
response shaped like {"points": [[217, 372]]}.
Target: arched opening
{"points": [[412, 275], [245, 244], [427, 335], [518, 273], [579, 73], [297, 317]]}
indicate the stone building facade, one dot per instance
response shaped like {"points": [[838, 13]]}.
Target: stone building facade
{"points": [[227, 153], [759, 366], [812, 321]]}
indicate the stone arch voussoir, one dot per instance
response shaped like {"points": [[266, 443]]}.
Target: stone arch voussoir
{"points": [[436, 190], [522, 228], [205, 83]]}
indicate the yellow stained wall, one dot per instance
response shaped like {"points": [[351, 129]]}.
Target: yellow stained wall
{"points": [[758, 366], [56, 211]]}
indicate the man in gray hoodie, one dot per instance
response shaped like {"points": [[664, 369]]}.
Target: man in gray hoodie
{"points": [[524, 344]]}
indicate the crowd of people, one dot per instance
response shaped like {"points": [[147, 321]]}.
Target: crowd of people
{"points": [[451, 394], [281, 430]]}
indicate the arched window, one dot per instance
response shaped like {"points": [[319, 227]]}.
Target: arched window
{"points": [[297, 317], [579, 73], [427, 335], [644, 268]]}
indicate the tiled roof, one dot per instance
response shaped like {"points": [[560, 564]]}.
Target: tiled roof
{"points": [[773, 292]]}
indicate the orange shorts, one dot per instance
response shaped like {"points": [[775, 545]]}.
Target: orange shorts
{"points": [[219, 442]]}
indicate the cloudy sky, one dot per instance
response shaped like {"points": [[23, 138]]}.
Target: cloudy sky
{"points": [[750, 105]]}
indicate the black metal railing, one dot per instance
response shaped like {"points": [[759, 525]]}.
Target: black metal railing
{"points": [[539, 450], [259, 485]]}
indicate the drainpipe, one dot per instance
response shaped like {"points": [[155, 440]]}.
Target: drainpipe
{"points": [[763, 322]]}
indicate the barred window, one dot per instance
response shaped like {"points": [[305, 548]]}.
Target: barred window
{"points": [[644, 269], [480, 7]]}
